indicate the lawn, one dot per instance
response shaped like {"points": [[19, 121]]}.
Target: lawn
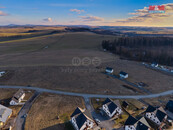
{"points": [[52, 112]]}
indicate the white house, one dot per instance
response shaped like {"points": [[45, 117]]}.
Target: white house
{"points": [[5, 113], [81, 119], [109, 70], [111, 108], [134, 124], [154, 64], [2, 73], [156, 115], [123, 75], [18, 97]]}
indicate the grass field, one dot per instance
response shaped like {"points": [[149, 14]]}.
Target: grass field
{"points": [[47, 108]]}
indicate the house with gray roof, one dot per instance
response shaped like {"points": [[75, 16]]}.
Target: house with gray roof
{"points": [[135, 124], [156, 114], [81, 119], [5, 113], [18, 97], [111, 108]]}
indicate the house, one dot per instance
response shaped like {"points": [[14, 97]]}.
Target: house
{"points": [[135, 124], [154, 64], [2, 73], [169, 106], [110, 108], [82, 119], [109, 70], [18, 97], [5, 114], [123, 75], [156, 115]]}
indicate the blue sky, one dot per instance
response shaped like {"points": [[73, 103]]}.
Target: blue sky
{"points": [[89, 12]]}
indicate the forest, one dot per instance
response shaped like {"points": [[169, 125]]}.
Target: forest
{"points": [[146, 49]]}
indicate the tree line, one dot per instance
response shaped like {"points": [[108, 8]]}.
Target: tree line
{"points": [[147, 49]]}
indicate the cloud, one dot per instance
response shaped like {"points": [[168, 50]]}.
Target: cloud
{"points": [[91, 18], [48, 20], [3, 14], [77, 11], [143, 16], [1, 7], [71, 5]]}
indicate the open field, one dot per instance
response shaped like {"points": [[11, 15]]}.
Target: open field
{"points": [[156, 81], [46, 62], [40, 116]]}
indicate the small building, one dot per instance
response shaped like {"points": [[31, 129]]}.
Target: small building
{"points": [[169, 106], [109, 70], [18, 97], [154, 64], [82, 119], [5, 114], [2, 73], [135, 124], [156, 115], [110, 108], [125, 104], [123, 75]]}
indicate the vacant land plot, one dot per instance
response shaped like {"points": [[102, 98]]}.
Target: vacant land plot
{"points": [[51, 112], [156, 81]]}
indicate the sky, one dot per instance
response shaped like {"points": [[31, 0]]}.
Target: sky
{"points": [[85, 12]]}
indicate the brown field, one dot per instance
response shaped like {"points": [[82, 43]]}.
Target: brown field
{"points": [[156, 81], [47, 108], [46, 61]]}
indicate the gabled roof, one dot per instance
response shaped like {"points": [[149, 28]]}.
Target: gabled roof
{"points": [[150, 109], [159, 112], [123, 73], [108, 68], [81, 116], [138, 124], [4, 113], [17, 95], [130, 120], [111, 104]]}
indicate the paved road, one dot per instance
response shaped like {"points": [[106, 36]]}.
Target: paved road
{"points": [[20, 120], [91, 95]]}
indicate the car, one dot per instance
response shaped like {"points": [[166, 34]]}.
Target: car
{"points": [[98, 121]]}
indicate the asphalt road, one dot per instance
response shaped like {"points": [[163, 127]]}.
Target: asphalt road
{"points": [[91, 95], [20, 120]]}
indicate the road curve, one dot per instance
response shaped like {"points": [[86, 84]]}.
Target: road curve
{"points": [[90, 95]]}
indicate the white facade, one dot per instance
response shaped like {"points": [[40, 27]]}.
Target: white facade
{"points": [[124, 76], [109, 71], [13, 102], [130, 127], [87, 125], [153, 118], [117, 111]]}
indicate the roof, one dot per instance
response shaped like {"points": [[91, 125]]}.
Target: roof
{"points": [[123, 73], [159, 112], [108, 68], [111, 104], [81, 116], [138, 124], [169, 106], [4, 113], [17, 95], [130, 120]]}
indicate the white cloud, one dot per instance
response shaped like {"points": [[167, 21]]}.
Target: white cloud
{"points": [[91, 18], [77, 11], [48, 20]]}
